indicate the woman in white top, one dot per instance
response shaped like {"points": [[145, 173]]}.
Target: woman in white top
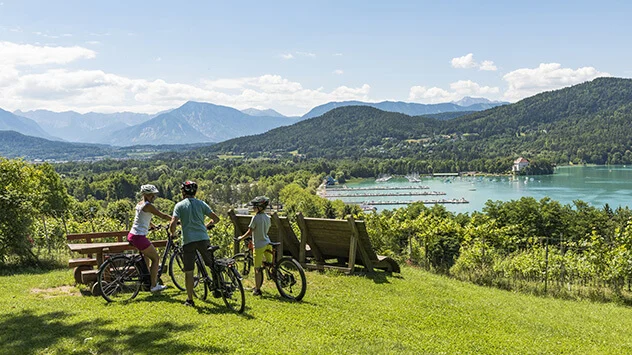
{"points": [[138, 234]]}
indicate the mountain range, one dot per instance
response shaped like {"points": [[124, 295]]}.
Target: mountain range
{"points": [[193, 122], [589, 122]]}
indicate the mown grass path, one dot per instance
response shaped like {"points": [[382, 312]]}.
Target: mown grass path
{"points": [[415, 313]]}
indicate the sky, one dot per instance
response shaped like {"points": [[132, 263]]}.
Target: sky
{"points": [[290, 56]]}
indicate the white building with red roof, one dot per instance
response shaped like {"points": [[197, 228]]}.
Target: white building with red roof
{"points": [[519, 164]]}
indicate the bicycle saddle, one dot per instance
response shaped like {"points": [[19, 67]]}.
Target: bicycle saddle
{"points": [[275, 244], [213, 248]]}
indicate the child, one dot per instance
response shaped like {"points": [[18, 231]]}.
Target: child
{"points": [[138, 234], [258, 228]]}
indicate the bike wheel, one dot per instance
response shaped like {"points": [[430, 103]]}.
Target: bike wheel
{"points": [[176, 271], [245, 269], [232, 290], [119, 279], [290, 279]]}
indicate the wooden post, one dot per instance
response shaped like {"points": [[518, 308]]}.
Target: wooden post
{"points": [[302, 250], [282, 237], [546, 263], [238, 232], [355, 243], [305, 235]]}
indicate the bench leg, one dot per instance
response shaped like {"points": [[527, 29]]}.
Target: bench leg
{"points": [[78, 270]]}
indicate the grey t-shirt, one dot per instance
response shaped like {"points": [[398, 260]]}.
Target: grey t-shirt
{"points": [[260, 224]]}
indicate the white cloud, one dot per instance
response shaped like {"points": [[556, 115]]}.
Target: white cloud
{"points": [[527, 82], [287, 56], [487, 65], [337, 54], [464, 62], [457, 91], [93, 42], [338, 72], [12, 54], [57, 88], [467, 61], [158, 59]]}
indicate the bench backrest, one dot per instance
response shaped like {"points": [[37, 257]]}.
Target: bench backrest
{"points": [[89, 237]]}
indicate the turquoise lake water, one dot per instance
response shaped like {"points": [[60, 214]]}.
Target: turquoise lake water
{"points": [[596, 185]]}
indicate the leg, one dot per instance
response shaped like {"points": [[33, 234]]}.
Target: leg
{"points": [[188, 281], [151, 253], [258, 278], [188, 259]]}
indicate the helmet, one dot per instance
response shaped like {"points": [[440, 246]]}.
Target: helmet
{"points": [[260, 201], [148, 189], [189, 187]]}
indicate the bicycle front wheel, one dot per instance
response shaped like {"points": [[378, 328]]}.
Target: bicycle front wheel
{"points": [[245, 269], [119, 279], [176, 271], [232, 290], [290, 279]]}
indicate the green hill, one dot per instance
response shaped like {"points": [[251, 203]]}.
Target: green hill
{"points": [[412, 313], [589, 122]]}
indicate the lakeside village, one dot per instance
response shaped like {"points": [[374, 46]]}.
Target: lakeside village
{"points": [[363, 196]]}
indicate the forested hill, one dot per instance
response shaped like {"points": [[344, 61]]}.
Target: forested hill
{"points": [[589, 122]]}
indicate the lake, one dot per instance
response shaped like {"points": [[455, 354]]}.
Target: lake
{"points": [[596, 185]]}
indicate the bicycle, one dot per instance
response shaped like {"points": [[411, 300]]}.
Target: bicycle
{"points": [[287, 273], [121, 277]]}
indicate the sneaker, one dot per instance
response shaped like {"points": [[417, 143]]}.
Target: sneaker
{"points": [[256, 292], [158, 288], [189, 303]]}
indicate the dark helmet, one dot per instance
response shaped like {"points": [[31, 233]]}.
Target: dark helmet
{"points": [[189, 187], [260, 201]]}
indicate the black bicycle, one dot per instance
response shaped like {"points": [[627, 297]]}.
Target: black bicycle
{"points": [[223, 282], [121, 277], [287, 273]]}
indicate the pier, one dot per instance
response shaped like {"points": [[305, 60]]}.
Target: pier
{"points": [[428, 202], [375, 194], [412, 187]]}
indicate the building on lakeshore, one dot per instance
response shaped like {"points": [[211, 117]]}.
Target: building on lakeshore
{"points": [[519, 164]]}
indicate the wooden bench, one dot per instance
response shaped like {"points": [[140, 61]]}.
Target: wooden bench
{"points": [[84, 271], [324, 243], [86, 264]]}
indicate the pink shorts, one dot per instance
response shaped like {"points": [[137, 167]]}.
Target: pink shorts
{"points": [[139, 241]]}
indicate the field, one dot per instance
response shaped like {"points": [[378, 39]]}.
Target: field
{"points": [[412, 313]]}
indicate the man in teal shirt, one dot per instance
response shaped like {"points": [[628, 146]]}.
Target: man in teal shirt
{"points": [[190, 212]]}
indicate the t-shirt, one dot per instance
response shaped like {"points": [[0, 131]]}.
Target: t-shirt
{"points": [[191, 213], [260, 224], [142, 220]]}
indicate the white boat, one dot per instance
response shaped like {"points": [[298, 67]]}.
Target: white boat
{"points": [[383, 178], [413, 178]]}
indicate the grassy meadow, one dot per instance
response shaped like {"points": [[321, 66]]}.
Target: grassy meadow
{"points": [[412, 313]]}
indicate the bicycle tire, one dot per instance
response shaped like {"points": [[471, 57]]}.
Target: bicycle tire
{"points": [[119, 279], [232, 290], [290, 279], [246, 271], [176, 272]]}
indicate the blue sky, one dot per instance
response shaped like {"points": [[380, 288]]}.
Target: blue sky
{"points": [[147, 56]]}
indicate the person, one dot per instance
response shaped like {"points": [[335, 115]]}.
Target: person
{"points": [[258, 228], [137, 236], [191, 212]]}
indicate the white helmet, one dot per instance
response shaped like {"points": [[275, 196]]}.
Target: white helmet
{"points": [[148, 189]]}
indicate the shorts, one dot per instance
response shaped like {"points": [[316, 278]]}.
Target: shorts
{"points": [[260, 253], [189, 250], [139, 241]]}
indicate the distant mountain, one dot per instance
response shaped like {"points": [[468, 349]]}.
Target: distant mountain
{"points": [[408, 108], [90, 127], [196, 122], [255, 112], [469, 101], [589, 122], [12, 122], [17, 145]]}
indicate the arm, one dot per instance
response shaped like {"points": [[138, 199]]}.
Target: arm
{"points": [[173, 224], [247, 234], [153, 210], [214, 220]]}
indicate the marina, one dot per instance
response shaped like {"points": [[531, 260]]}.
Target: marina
{"points": [[406, 202], [345, 188], [375, 194]]}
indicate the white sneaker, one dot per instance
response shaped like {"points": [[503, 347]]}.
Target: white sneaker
{"points": [[158, 288]]}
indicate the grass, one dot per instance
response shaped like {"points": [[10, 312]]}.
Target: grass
{"points": [[412, 313]]}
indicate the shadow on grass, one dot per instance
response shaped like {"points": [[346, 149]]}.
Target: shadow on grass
{"points": [[27, 333]]}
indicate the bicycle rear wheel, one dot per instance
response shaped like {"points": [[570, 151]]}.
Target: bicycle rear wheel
{"points": [[245, 269], [176, 271], [232, 290], [290, 279], [119, 279]]}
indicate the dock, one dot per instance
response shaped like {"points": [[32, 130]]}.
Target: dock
{"points": [[427, 202], [376, 194]]}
